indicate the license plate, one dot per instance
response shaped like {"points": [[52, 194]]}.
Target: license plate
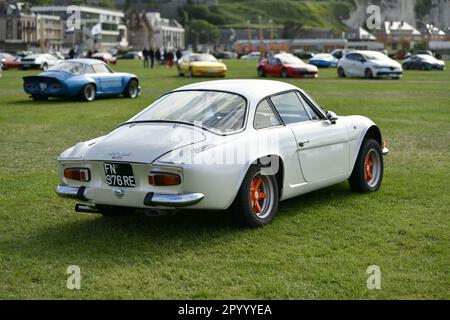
{"points": [[43, 85], [213, 71], [119, 175], [26, 65]]}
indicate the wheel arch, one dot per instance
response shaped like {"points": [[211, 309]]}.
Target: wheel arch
{"points": [[372, 132], [279, 176]]}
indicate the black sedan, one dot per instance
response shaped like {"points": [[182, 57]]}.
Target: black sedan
{"points": [[423, 62]]}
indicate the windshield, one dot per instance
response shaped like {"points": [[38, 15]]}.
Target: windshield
{"points": [[375, 56], [71, 67], [216, 111], [290, 60], [203, 57]]}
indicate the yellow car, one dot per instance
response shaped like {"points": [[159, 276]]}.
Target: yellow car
{"points": [[202, 65]]}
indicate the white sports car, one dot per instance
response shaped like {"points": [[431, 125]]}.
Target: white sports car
{"points": [[245, 144]]}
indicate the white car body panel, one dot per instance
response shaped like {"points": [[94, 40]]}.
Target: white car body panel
{"points": [[326, 159]]}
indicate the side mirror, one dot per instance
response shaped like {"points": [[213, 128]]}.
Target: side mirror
{"points": [[332, 117]]}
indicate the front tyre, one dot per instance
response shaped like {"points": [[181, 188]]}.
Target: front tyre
{"points": [[368, 74], [132, 89], [369, 168], [88, 92], [261, 72], [341, 72], [257, 200], [284, 73]]}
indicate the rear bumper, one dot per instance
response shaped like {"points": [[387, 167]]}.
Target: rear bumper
{"points": [[151, 199]]}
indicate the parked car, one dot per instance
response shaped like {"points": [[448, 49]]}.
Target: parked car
{"points": [[324, 60], [252, 56], [201, 64], [225, 55], [83, 78], [423, 62], [286, 65], [427, 52], [41, 61], [9, 61], [368, 64], [304, 55], [105, 57], [132, 55], [129, 169]]}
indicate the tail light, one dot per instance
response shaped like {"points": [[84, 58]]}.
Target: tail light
{"points": [[56, 85], [80, 174], [29, 85], [164, 179]]}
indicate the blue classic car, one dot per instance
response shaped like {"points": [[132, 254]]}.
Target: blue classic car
{"points": [[324, 60], [83, 78]]}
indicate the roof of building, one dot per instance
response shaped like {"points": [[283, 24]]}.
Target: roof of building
{"points": [[403, 27]]}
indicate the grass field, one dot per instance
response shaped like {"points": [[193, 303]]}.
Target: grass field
{"points": [[319, 245]]}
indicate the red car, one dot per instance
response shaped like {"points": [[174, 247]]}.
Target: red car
{"points": [[105, 57], [286, 65], [9, 61]]}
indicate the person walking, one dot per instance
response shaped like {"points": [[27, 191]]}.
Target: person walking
{"points": [[170, 59], [165, 56], [158, 56], [151, 55], [145, 54], [178, 54]]}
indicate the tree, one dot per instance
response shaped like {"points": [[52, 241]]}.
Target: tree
{"points": [[201, 31]]}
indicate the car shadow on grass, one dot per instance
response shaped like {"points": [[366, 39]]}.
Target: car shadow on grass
{"points": [[51, 101], [85, 236]]}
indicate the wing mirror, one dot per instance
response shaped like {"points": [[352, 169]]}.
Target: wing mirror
{"points": [[332, 117]]}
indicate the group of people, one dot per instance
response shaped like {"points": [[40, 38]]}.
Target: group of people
{"points": [[167, 57]]}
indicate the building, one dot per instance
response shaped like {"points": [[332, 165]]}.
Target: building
{"points": [[17, 26], [101, 29], [49, 32], [151, 30], [398, 36]]}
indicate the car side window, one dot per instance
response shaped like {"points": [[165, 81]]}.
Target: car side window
{"points": [[350, 56], [290, 108], [89, 69], [312, 112], [100, 68], [265, 117]]}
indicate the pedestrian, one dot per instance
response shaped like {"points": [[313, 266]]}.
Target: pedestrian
{"points": [[89, 54], [151, 55], [178, 54], [71, 53], [170, 59], [165, 56], [145, 55], [158, 56]]}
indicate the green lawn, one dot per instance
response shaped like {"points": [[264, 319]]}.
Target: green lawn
{"points": [[319, 245]]}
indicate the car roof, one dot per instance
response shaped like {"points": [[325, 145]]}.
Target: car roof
{"points": [[253, 90], [86, 61]]}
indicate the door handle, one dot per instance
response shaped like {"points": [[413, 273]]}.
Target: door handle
{"points": [[302, 143]]}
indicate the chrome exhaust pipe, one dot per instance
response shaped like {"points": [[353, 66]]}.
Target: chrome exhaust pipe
{"points": [[86, 208]]}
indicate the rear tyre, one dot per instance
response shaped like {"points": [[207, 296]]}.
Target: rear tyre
{"points": [[132, 89], [261, 72], [88, 92], [44, 66], [190, 73], [341, 73], [369, 168], [284, 73], [368, 74], [257, 201]]}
